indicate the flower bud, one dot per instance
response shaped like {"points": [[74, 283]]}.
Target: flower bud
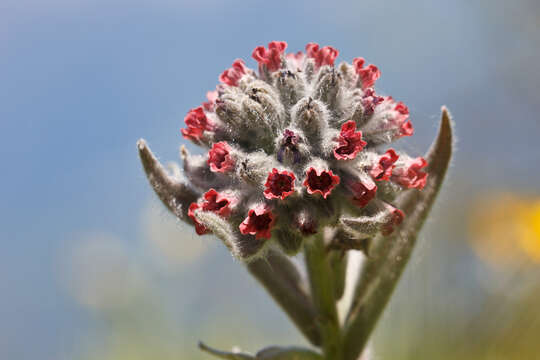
{"points": [[327, 88], [291, 148], [311, 116], [291, 87]]}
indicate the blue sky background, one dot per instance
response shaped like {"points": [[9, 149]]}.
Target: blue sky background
{"points": [[81, 81]]}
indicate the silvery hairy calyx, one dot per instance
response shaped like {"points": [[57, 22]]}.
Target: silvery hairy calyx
{"points": [[297, 161]]}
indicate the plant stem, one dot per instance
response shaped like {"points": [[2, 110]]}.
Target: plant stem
{"points": [[323, 294], [281, 279]]}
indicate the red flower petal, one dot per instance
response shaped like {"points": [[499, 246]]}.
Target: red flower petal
{"points": [[197, 123], [270, 57], [211, 103], [350, 142], [322, 182], [217, 202], [367, 75], [200, 229], [259, 222], [322, 56], [363, 192], [410, 175], [383, 169], [232, 75], [219, 158], [279, 185], [395, 219]]}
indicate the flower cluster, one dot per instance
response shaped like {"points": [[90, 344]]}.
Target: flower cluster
{"points": [[293, 148]]}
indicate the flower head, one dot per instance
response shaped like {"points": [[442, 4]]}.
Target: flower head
{"points": [[297, 118]]}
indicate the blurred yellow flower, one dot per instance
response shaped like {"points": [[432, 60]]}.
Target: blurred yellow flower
{"points": [[530, 230], [505, 229]]}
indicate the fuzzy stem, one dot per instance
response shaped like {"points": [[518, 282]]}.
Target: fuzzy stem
{"points": [[386, 263], [323, 294], [338, 264], [281, 279]]}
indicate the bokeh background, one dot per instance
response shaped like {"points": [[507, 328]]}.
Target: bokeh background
{"points": [[92, 266]]}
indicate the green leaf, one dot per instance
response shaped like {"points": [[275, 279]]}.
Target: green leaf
{"points": [[287, 353], [225, 354], [389, 255], [269, 353]]}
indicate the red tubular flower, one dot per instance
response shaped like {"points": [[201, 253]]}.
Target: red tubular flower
{"points": [[197, 123], [395, 219], [217, 202], [200, 229], [219, 157], [405, 127], [270, 57], [367, 75], [409, 174], [363, 192], [211, 103], [322, 56], [322, 183], [350, 142], [370, 100], [383, 169], [279, 185], [212, 201], [232, 75], [259, 222]]}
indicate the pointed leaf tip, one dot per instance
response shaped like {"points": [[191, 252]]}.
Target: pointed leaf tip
{"points": [[227, 355], [175, 195]]}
